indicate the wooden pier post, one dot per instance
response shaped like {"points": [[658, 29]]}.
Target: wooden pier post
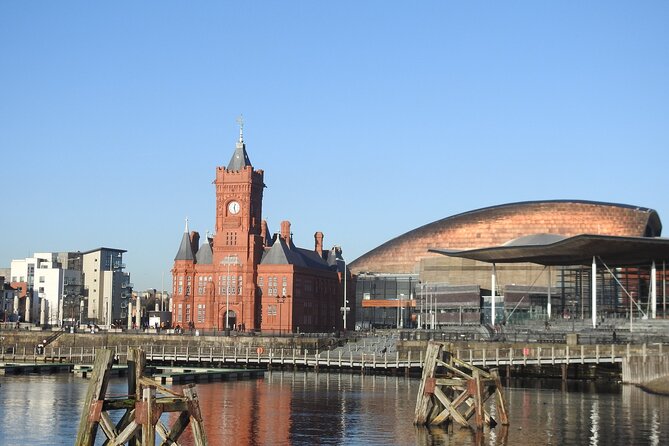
{"points": [[445, 376], [90, 413], [141, 420]]}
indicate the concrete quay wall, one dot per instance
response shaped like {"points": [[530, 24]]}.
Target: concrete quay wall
{"points": [[30, 339], [643, 369]]}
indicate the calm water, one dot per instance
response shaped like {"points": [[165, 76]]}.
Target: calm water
{"points": [[289, 408]]}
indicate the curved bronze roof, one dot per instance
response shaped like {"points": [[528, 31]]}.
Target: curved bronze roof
{"points": [[577, 250], [496, 225]]}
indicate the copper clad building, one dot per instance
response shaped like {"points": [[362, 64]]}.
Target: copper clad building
{"points": [[405, 260]]}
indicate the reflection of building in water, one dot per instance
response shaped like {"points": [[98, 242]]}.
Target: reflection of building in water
{"points": [[244, 413]]}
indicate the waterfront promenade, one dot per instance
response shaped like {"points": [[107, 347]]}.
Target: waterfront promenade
{"points": [[563, 350], [386, 353]]}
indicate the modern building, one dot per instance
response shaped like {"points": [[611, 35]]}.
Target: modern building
{"points": [[43, 283], [245, 278], [9, 299], [107, 287], [445, 286]]}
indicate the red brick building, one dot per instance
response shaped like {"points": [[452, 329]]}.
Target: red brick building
{"points": [[248, 277]]}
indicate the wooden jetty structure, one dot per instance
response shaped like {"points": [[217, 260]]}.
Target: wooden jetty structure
{"points": [[452, 389], [142, 408], [178, 375], [19, 369]]}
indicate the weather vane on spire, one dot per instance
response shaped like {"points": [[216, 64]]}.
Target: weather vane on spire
{"points": [[240, 121]]}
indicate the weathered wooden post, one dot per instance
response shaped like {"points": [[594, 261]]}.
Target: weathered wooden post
{"points": [[143, 408], [444, 377], [90, 413], [147, 421]]}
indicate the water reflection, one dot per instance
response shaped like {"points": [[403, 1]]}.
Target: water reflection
{"points": [[298, 408]]}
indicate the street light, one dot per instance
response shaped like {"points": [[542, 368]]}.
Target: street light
{"points": [[345, 307], [280, 300], [400, 309], [228, 260]]}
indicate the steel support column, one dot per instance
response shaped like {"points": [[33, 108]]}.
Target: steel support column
{"points": [[653, 291], [593, 286], [492, 294], [548, 306]]}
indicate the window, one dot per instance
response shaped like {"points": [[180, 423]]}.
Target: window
{"points": [[187, 312], [271, 310], [179, 319], [41, 289], [200, 312], [41, 279], [239, 287], [260, 282], [231, 238]]}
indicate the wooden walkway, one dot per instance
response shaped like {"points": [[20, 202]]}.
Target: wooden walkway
{"points": [[261, 358]]}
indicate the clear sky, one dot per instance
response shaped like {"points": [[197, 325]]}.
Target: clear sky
{"points": [[369, 118]]}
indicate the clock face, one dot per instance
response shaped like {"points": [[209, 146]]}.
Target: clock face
{"points": [[233, 207]]}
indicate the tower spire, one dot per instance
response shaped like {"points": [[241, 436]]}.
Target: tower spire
{"points": [[186, 230], [240, 121], [240, 159]]}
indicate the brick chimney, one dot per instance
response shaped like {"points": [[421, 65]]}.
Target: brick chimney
{"points": [[318, 241], [264, 231], [285, 231], [195, 241]]}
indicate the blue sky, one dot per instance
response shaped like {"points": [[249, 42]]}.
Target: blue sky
{"points": [[369, 118]]}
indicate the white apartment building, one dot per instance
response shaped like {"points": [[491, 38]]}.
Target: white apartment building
{"points": [[47, 284]]}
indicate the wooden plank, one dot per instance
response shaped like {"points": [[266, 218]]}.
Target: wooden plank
{"points": [[501, 401], [452, 411], [126, 434], [423, 400], [478, 401], [177, 429], [97, 389], [199, 435], [148, 428], [136, 366], [108, 426]]}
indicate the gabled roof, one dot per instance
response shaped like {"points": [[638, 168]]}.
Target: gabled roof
{"points": [[282, 254], [240, 158], [204, 255]]}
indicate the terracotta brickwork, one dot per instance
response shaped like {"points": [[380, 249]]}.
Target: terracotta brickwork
{"points": [[496, 225], [222, 280]]}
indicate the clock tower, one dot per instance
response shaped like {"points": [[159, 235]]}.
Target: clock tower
{"points": [[238, 245]]}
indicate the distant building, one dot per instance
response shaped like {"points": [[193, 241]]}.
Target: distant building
{"points": [[9, 298], [146, 301], [106, 285], [42, 283], [245, 278]]}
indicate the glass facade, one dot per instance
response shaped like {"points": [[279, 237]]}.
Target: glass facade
{"points": [[385, 301]]}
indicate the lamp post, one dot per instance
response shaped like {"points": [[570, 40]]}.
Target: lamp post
{"points": [[345, 307], [280, 300], [400, 308], [228, 260]]}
